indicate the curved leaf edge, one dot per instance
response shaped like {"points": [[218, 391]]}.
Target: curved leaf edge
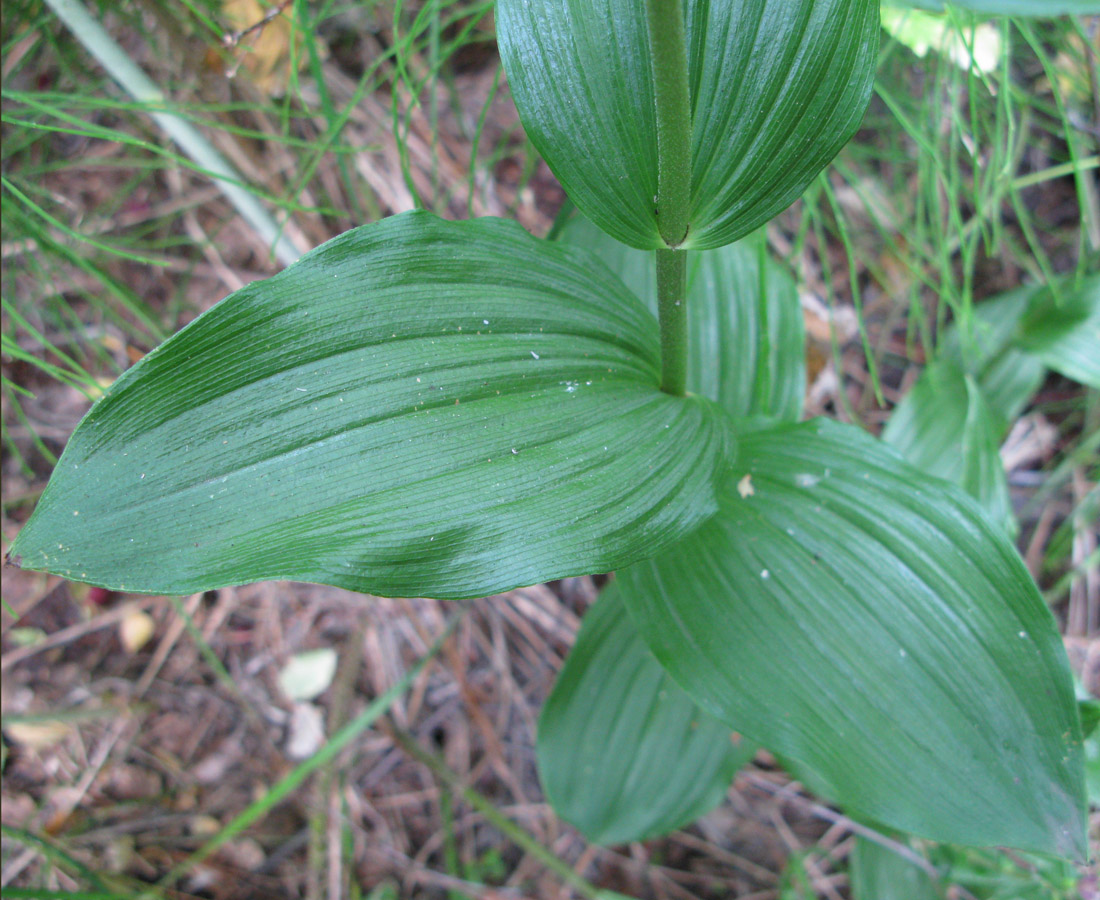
{"points": [[1076, 845], [581, 256]]}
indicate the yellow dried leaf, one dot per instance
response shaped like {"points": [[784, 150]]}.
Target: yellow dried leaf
{"points": [[135, 630], [263, 52], [37, 735], [204, 826]]}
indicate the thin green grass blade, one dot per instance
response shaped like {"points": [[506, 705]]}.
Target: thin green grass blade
{"points": [[323, 757]]}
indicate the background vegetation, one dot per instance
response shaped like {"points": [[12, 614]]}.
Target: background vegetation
{"points": [[194, 746]]}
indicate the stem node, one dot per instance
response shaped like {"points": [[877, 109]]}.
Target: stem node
{"points": [[668, 51]]}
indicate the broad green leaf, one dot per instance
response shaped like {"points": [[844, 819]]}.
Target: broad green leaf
{"points": [[417, 407], [854, 615], [747, 336], [944, 426], [962, 873], [1013, 7], [1007, 383], [777, 87], [1062, 329], [879, 873], [1008, 377], [1014, 337], [623, 753], [985, 347]]}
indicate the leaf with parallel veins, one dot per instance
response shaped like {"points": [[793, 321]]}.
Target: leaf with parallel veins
{"points": [[623, 753], [869, 623], [417, 407], [776, 87]]}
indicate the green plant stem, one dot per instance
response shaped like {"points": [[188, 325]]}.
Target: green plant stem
{"points": [[668, 52], [672, 312]]}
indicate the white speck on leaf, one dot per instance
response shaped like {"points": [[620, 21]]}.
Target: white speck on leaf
{"points": [[765, 574], [534, 355], [745, 488], [806, 480]]}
